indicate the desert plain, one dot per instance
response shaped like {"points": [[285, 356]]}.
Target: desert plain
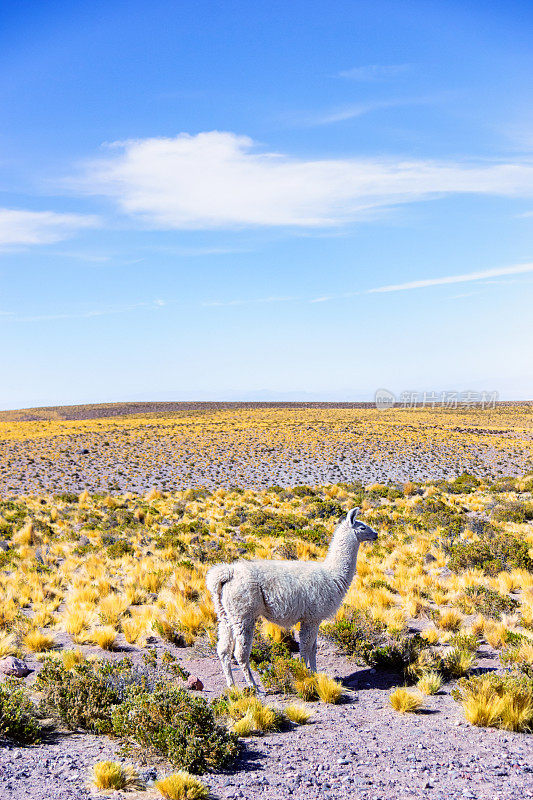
{"points": [[110, 517]]}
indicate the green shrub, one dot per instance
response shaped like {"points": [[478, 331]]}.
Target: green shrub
{"points": [[265, 650], [13, 513], [325, 509], [498, 552], [458, 661], [515, 511], [67, 497], [390, 492], [140, 704], [269, 523], [519, 658], [369, 641], [427, 661], [81, 697], [489, 602], [290, 676], [433, 514], [381, 584], [463, 484], [18, 721], [503, 484], [465, 641], [303, 491], [174, 724], [173, 666], [119, 549], [8, 557]]}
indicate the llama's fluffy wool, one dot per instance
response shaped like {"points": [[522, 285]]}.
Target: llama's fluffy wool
{"points": [[284, 592]]}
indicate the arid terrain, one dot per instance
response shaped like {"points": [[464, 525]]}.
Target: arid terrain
{"points": [[171, 446], [103, 557]]}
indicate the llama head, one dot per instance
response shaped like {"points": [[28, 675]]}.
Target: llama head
{"points": [[363, 533]]}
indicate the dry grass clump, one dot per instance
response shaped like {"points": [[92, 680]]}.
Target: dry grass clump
{"points": [[112, 775], [182, 786], [252, 717], [71, 658], [104, 637], [431, 635], [297, 713], [328, 690], [134, 630], [450, 620], [27, 535], [111, 608], [495, 634], [525, 653], [76, 621], [497, 701], [8, 644], [275, 633], [37, 642], [405, 701], [458, 661], [429, 683], [306, 687]]}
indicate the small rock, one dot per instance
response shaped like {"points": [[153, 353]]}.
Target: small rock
{"points": [[4, 546], [193, 682], [148, 776], [15, 667]]}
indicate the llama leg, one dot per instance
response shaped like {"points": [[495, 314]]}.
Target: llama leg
{"points": [[312, 654], [243, 644], [225, 647], [308, 634]]}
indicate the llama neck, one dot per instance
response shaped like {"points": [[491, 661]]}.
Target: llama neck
{"points": [[341, 559]]}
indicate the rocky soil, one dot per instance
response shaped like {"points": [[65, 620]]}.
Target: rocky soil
{"points": [[359, 749]]}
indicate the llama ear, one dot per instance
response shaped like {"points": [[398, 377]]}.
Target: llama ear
{"points": [[352, 515]]}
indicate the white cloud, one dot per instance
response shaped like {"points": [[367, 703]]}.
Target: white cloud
{"points": [[374, 72], [220, 180], [516, 269], [20, 227], [355, 110], [254, 301], [482, 275], [98, 312]]}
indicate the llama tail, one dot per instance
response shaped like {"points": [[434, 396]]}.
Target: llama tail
{"points": [[215, 580]]}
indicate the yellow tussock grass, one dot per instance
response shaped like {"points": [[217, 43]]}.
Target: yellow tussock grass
{"points": [[328, 690], [182, 786], [38, 642], [112, 775], [297, 713], [404, 701]]}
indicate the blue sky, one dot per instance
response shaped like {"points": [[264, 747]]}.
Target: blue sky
{"points": [[200, 200]]}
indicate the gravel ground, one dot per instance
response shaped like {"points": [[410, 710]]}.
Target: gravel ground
{"points": [[258, 447], [85, 461], [358, 749]]}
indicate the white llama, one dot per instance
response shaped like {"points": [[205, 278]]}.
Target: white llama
{"points": [[284, 592]]}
